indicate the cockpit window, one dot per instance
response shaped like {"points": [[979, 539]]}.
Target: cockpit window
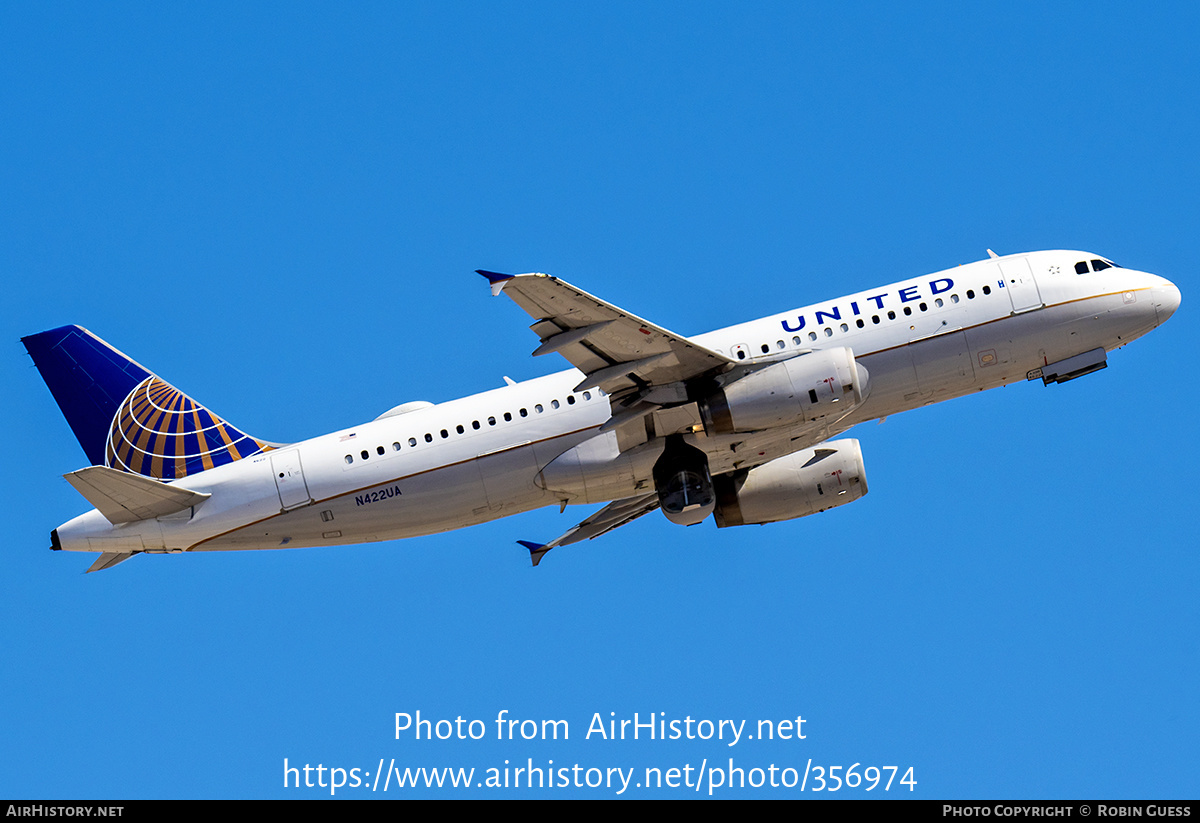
{"points": [[1097, 265]]}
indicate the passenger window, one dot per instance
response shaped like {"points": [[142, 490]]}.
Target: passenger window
{"points": [[538, 408], [796, 341], [875, 319], [779, 344], [765, 348], [508, 417], [459, 428], [859, 322], [570, 400], [445, 434], [587, 395], [365, 454], [491, 421], [891, 315], [954, 298], [741, 355], [379, 450], [923, 307], [937, 303], [428, 437], [475, 425], [970, 294], [412, 441], [395, 447], [524, 413], [828, 332], [349, 458], [987, 289], [907, 311], [812, 335], [845, 328]]}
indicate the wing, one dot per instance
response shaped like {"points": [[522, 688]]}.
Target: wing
{"points": [[615, 514], [107, 560], [631, 359]]}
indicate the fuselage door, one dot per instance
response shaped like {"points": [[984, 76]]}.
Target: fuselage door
{"points": [[1017, 278], [289, 479]]}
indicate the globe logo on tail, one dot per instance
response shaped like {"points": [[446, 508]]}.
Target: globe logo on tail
{"points": [[158, 431]]}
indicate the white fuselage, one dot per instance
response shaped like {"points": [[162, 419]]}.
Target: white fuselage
{"points": [[471, 460]]}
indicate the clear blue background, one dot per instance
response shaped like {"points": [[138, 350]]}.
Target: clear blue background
{"points": [[278, 209]]}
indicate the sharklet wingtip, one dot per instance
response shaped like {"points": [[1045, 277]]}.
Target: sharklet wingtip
{"points": [[497, 279], [495, 276], [536, 550]]}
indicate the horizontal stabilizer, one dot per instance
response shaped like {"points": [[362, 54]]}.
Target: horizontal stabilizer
{"points": [[107, 560], [124, 498]]}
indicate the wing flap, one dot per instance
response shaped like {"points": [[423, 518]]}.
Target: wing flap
{"points": [[125, 498]]}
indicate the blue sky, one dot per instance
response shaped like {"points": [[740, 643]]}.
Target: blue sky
{"points": [[279, 208]]}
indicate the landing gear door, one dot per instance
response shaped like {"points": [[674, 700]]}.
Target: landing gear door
{"points": [[289, 479], [1017, 278]]}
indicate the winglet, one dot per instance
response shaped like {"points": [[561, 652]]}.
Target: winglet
{"points": [[536, 550], [496, 279]]}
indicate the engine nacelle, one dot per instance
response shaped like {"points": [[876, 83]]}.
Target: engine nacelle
{"points": [[685, 487], [803, 483], [825, 383]]}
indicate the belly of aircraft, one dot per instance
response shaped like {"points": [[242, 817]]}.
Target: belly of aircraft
{"points": [[463, 494]]}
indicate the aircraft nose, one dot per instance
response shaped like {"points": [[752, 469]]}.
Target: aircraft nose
{"points": [[1166, 300]]}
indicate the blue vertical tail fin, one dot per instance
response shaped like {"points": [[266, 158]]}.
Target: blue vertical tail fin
{"points": [[127, 418]]}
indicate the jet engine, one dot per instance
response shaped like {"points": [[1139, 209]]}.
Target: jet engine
{"points": [[825, 383], [685, 487], [803, 483]]}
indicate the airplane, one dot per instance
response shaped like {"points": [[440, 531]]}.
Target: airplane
{"points": [[742, 424]]}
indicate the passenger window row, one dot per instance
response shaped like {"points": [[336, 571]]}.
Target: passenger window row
{"points": [[476, 425], [860, 323]]}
